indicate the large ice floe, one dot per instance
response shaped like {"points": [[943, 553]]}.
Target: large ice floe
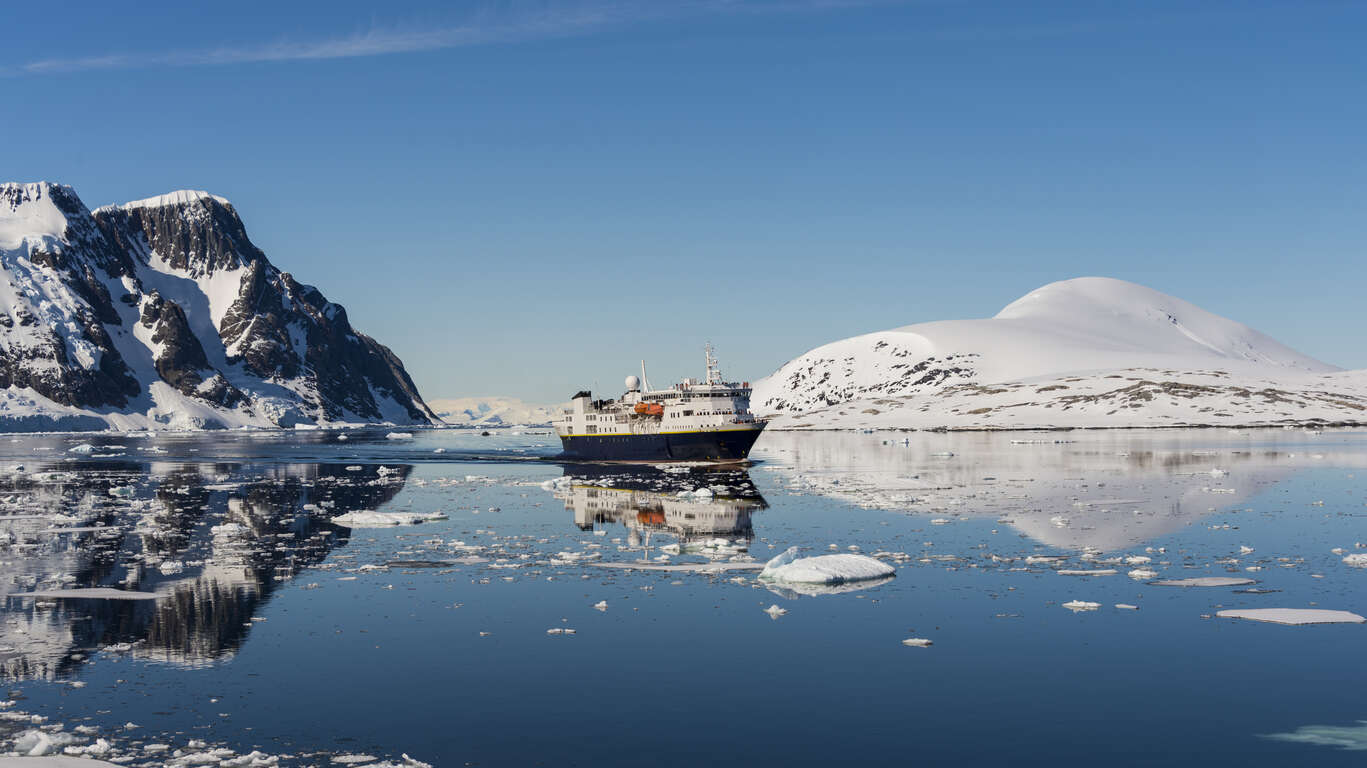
{"points": [[790, 569], [368, 519], [1293, 616]]}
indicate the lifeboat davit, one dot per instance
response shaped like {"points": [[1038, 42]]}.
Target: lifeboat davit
{"points": [[650, 409]]}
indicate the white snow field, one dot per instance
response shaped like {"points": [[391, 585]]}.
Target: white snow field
{"points": [[492, 411], [824, 569], [1087, 352]]}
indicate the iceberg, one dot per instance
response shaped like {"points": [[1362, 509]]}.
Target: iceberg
{"points": [[824, 569]]}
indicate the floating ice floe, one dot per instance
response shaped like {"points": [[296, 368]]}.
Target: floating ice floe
{"points": [[88, 593], [1078, 606], [1143, 574], [917, 642], [775, 611], [367, 519], [1357, 560], [824, 569], [399, 436], [1126, 607], [714, 567], [1205, 581], [1094, 572], [601, 605], [1293, 616]]}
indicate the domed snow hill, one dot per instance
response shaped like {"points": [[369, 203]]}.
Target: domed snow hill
{"points": [[1089, 352], [162, 314]]}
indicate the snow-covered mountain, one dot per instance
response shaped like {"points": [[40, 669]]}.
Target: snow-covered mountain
{"points": [[161, 313], [492, 411], [1089, 352]]}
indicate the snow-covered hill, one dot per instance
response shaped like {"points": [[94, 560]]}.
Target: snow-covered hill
{"points": [[1089, 352], [491, 411], [162, 314]]}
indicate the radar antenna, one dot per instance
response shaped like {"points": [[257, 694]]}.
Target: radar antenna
{"points": [[713, 373]]}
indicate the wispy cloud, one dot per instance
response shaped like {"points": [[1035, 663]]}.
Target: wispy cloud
{"points": [[485, 28]]}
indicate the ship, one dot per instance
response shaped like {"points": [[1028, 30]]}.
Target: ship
{"points": [[699, 421]]}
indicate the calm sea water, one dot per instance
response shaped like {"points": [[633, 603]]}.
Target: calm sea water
{"points": [[278, 630]]}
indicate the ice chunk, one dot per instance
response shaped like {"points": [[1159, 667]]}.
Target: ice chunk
{"points": [[399, 436], [601, 605], [1078, 606], [917, 642], [34, 742], [1206, 581], [775, 611], [1142, 574], [1294, 616], [1357, 560], [824, 569]]}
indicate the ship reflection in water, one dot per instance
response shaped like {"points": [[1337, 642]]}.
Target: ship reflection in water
{"points": [[707, 512], [202, 546]]}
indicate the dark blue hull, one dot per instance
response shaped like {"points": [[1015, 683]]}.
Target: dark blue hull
{"points": [[728, 445]]}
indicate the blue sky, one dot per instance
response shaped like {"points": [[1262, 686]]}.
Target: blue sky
{"points": [[525, 198]]}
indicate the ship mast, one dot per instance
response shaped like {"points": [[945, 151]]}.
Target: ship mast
{"points": [[713, 373]]}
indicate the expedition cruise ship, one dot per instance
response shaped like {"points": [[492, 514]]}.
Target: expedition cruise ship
{"points": [[693, 420]]}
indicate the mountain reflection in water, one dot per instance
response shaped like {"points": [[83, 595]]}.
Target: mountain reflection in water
{"points": [[212, 541]]}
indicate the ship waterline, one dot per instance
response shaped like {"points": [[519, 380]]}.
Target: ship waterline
{"points": [[710, 445]]}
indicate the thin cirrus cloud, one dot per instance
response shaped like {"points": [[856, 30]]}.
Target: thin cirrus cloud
{"points": [[485, 29]]}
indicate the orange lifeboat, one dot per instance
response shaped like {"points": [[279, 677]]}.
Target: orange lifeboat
{"points": [[650, 409]]}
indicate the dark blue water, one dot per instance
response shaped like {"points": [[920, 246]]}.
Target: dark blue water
{"points": [[285, 652]]}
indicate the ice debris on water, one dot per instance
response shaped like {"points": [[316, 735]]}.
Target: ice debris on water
{"points": [[1078, 606], [601, 605], [824, 569], [1357, 560], [917, 642], [775, 611]]}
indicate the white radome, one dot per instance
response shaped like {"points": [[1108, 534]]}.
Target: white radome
{"points": [[633, 383]]}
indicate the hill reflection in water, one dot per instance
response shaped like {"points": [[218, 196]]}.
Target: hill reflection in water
{"points": [[1078, 490]]}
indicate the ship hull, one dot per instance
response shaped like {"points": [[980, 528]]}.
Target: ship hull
{"points": [[707, 445]]}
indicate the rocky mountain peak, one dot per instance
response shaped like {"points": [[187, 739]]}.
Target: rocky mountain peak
{"points": [[164, 311], [190, 231]]}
